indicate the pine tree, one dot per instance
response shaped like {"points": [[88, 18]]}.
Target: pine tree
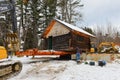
{"points": [[32, 21], [89, 30], [48, 9]]}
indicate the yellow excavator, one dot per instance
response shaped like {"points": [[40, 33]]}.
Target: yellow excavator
{"points": [[104, 47], [8, 67], [107, 47], [11, 42]]}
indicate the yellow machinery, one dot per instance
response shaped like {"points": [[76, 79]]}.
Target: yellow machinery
{"points": [[104, 47], [9, 67], [11, 41], [3, 53], [92, 49], [107, 47]]}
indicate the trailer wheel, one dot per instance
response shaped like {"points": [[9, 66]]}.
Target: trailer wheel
{"points": [[66, 57]]}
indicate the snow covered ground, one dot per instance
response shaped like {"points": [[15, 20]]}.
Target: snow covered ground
{"points": [[67, 70]]}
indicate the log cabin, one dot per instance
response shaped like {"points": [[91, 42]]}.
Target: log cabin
{"points": [[60, 35]]}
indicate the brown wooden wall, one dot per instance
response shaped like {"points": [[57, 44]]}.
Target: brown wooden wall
{"points": [[61, 42], [81, 42], [69, 41]]}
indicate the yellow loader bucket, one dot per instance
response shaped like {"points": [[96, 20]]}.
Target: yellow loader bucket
{"points": [[3, 52]]}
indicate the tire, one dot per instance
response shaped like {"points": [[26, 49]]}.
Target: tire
{"points": [[16, 67], [65, 57]]}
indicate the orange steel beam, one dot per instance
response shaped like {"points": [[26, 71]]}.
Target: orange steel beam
{"points": [[34, 52]]}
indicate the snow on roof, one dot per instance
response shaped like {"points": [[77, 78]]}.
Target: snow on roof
{"points": [[75, 28]]}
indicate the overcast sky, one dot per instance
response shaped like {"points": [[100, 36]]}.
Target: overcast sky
{"points": [[101, 12]]}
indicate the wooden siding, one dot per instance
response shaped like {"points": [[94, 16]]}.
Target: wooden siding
{"points": [[81, 42], [61, 42], [57, 30], [69, 42]]}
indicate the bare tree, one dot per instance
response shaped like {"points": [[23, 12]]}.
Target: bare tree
{"points": [[69, 10], [108, 33], [117, 37]]}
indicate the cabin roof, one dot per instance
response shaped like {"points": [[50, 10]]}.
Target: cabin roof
{"points": [[75, 28], [72, 27]]}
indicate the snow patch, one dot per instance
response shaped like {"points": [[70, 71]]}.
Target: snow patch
{"points": [[68, 70]]}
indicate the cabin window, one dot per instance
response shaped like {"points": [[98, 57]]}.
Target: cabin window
{"points": [[80, 38]]}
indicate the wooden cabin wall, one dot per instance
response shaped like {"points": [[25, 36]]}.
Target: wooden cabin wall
{"points": [[81, 42], [65, 42], [61, 42]]}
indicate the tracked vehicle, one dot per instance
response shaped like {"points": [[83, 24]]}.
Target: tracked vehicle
{"points": [[9, 42], [8, 67]]}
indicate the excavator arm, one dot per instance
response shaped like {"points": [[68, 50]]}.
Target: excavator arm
{"points": [[9, 67], [10, 37], [107, 47]]}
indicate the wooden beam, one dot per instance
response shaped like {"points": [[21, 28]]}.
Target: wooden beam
{"points": [[47, 30], [79, 33]]}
